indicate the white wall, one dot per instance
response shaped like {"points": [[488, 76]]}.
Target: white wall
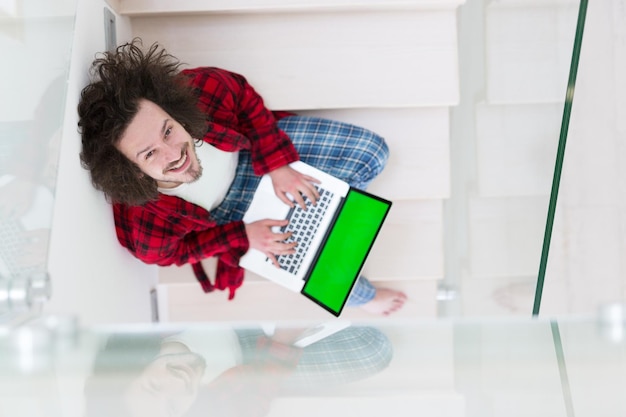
{"points": [[93, 277]]}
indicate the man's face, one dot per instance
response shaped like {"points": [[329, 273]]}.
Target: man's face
{"points": [[167, 387], [160, 146]]}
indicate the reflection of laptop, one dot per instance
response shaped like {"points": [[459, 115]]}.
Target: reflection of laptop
{"points": [[312, 334], [16, 238], [13, 242], [333, 243]]}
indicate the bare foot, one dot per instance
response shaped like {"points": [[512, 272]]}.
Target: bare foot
{"points": [[385, 302]]}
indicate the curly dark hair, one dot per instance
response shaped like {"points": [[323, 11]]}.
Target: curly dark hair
{"points": [[120, 80]]}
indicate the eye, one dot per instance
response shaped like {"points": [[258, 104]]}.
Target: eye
{"points": [[168, 131], [149, 154]]}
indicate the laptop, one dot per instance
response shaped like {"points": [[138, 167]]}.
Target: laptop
{"points": [[334, 238], [311, 334]]}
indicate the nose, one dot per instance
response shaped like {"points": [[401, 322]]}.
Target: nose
{"points": [[171, 153]]}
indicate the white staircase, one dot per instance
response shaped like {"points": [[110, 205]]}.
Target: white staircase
{"points": [[388, 66]]}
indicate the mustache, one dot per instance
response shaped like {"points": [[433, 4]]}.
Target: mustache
{"points": [[183, 151]]}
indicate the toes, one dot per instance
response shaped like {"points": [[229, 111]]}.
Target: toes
{"points": [[388, 301], [396, 305]]}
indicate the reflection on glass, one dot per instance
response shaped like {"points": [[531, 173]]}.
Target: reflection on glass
{"points": [[445, 368], [586, 262], [36, 39], [27, 184], [514, 59], [229, 372]]}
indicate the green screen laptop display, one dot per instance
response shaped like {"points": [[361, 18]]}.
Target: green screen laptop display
{"points": [[346, 248]]}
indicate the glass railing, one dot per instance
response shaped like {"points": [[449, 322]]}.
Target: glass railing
{"points": [[36, 39], [512, 367], [530, 73], [585, 267]]}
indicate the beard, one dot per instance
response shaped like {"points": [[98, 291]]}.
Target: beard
{"points": [[195, 173], [192, 174]]}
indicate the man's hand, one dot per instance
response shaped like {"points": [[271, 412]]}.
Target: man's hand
{"points": [[262, 238], [287, 180], [287, 336]]}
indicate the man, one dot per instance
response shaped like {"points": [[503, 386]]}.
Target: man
{"points": [[179, 154], [221, 371]]}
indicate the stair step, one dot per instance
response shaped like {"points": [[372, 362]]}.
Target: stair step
{"points": [[266, 301], [419, 149], [449, 404], [165, 7], [321, 60]]}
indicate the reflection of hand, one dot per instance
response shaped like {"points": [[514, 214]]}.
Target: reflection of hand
{"points": [[16, 198], [287, 180], [34, 251], [262, 238]]}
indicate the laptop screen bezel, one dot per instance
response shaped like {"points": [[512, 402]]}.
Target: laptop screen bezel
{"points": [[315, 299]]}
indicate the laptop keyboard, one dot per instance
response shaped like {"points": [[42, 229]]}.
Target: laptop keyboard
{"points": [[303, 224]]}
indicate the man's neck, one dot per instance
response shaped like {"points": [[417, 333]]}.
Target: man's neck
{"points": [[168, 184]]}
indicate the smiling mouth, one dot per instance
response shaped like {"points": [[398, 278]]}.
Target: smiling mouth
{"points": [[181, 162]]}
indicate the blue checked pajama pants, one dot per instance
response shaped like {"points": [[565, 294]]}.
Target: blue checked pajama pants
{"points": [[349, 355], [348, 152]]}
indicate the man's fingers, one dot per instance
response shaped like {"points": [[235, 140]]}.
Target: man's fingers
{"points": [[283, 197], [282, 249], [275, 241], [312, 179], [312, 194], [272, 258], [281, 237], [300, 201], [299, 192], [275, 223]]}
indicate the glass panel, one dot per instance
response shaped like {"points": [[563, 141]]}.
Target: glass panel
{"points": [[35, 39], [443, 368], [586, 264], [514, 60]]}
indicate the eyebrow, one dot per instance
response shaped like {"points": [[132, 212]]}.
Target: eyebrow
{"points": [[163, 129]]}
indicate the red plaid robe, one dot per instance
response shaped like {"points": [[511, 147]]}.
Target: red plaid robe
{"points": [[171, 230]]}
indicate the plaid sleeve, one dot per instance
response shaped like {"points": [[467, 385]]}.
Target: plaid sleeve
{"points": [[232, 104], [155, 240]]}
